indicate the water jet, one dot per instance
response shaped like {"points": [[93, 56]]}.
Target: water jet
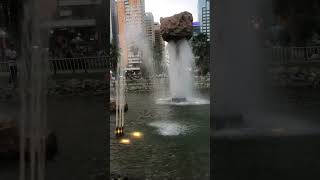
{"points": [[177, 30]]}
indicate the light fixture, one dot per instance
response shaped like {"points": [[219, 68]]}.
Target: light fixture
{"points": [[125, 141], [137, 134]]}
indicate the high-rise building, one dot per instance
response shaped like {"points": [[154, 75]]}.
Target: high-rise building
{"points": [[131, 29], [149, 21], [159, 46], [204, 16], [113, 21], [121, 11], [158, 40]]}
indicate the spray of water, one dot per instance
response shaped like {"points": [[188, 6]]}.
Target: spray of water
{"points": [[136, 38], [180, 69], [33, 78]]}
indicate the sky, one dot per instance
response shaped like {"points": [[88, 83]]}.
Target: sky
{"points": [[165, 8]]}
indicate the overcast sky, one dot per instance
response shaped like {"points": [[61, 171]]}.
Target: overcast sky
{"points": [[165, 8]]}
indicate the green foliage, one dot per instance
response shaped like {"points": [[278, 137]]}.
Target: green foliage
{"points": [[201, 49], [299, 18]]}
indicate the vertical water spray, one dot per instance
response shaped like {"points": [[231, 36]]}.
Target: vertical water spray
{"points": [[180, 69], [120, 99], [33, 78], [176, 30]]}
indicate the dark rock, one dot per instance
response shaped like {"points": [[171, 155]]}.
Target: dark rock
{"points": [[177, 27]]}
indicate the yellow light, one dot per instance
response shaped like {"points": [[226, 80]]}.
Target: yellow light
{"points": [[137, 134], [125, 141]]}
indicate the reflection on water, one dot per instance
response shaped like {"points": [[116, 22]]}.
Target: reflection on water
{"points": [[77, 122], [189, 101], [175, 143], [167, 128]]}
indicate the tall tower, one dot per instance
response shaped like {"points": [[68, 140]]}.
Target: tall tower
{"points": [[149, 21], [204, 16], [131, 31], [159, 42], [113, 21], [135, 11], [121, 11]]}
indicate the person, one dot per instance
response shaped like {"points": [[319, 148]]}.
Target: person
{"points": [[11, 56]]}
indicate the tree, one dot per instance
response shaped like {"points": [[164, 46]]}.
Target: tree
{"points": [[200, 48], [299, 18], [113, 56]]}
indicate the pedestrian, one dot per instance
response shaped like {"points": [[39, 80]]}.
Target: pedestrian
{"points": [[11, 56]]}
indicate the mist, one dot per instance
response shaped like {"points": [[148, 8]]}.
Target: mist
{"points": [[241, 82]]}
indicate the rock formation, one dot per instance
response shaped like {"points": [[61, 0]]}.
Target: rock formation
{"points": [[177, 27]]}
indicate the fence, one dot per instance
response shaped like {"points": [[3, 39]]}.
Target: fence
{"points": [[76, 65], [70, 65], [286, 55]]}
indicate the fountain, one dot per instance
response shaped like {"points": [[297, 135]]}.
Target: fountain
{"points": [[177, 30]]}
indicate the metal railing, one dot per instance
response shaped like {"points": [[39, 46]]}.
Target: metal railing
{"points": [[286, 55], [76, 65], [70, 65]]}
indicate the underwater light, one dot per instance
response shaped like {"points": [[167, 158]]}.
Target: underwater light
{"points": [[137, 134], [125, 141]]}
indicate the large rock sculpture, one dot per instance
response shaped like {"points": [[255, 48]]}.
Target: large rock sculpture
{"points": [[177, 27]]}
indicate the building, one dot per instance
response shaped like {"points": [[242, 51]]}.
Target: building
{"points": [[158, 41], [149, 24], [131, 28], [113, 21], [76, 22], [159, 46], [196, 28], [121, 18], [204, 16]]}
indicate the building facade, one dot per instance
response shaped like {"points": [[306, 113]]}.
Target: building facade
{"points": [[131, 28], [158, 40], [149, 25], [76, 26], [204, 16], [113, 22]]}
